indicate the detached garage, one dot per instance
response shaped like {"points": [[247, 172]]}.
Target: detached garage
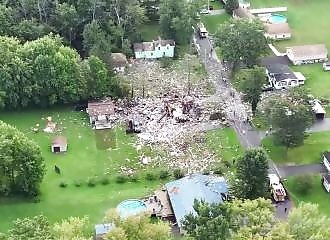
{"points": [[59, 144]]}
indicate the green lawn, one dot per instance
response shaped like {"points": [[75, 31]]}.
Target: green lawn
{"points": [[82, 161], [317, 194], [224, 143], [310, 152], [150, 31], [309, 23], [212, 22]]}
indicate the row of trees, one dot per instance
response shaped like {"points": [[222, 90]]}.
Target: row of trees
{"points": [[74, 228], [44, 72], [254, 220], [118, 20]]}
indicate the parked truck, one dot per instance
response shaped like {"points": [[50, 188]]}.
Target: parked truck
{"points": [[277, 190], [202, 32]]}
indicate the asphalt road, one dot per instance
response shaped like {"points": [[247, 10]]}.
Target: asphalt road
{"points": [[248, 136]]}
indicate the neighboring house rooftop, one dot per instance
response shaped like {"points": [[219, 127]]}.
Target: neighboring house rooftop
{"points": [[278, 28], [60, 140], [265, 61], [309, 51], [327, 178], [327, 156], [101, 108], [242, 13], [150, 46], [184, 191], [280, 72], [101, 229], [118, 59]]}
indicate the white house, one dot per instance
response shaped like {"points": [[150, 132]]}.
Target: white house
{"points": [[280, 76], [326, 182], [307, 54], [326, 160], [118, 62], [278, 31], [155, 49]]}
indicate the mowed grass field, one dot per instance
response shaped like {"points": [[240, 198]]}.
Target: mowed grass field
{"points": [[316, 193], [315, 144], [82, 161], [309, 22]]}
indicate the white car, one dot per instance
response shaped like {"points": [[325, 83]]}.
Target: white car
{"points": [[204, 11]]}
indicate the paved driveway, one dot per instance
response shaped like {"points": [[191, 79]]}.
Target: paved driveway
{"points": [[287, 171], [320, 126]]}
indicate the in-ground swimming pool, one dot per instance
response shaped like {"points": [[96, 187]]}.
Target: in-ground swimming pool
{"points": [[277, 18], [131, 207]]}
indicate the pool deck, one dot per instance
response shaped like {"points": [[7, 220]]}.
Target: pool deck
{"points": [[268, 10], [161, 207]]}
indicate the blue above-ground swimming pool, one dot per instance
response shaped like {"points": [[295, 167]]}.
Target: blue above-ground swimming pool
{"points": [[131, 207], [277, 18]]}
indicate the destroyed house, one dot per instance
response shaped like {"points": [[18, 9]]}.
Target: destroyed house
{"points": [[100, 114]]}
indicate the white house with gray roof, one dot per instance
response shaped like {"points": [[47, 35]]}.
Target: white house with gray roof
{"points": [[155, 49]]}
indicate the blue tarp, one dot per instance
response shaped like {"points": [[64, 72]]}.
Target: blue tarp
{"points": [[184, 191]]}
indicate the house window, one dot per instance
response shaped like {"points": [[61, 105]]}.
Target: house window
{"points": [[151, 54], [167, 47], [158, 48]]}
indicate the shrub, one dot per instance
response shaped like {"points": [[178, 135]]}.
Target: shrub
{"points": [[219, 169], [206, 172], [227, 163], [150, 176], [121, 179], [91, 182], [303, 184], [134, 178], [63, 184], [178, 173], [164, 174], [104, 180], [77, 183]]}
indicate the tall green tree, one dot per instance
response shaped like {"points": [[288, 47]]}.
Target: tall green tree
{"points": [[73, 228], [251, 82], [231, 220], [7, 20], [231, 5], [66, 20], [211, 221], [177, 19], [21, 165], [290, 117], [251, 175], [241, 41], [30, 29]]}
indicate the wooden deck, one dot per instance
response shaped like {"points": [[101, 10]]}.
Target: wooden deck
{"points": [[159, 204]]}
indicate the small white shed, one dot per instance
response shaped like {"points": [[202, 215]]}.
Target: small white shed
{"points": [[59, 144]]}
